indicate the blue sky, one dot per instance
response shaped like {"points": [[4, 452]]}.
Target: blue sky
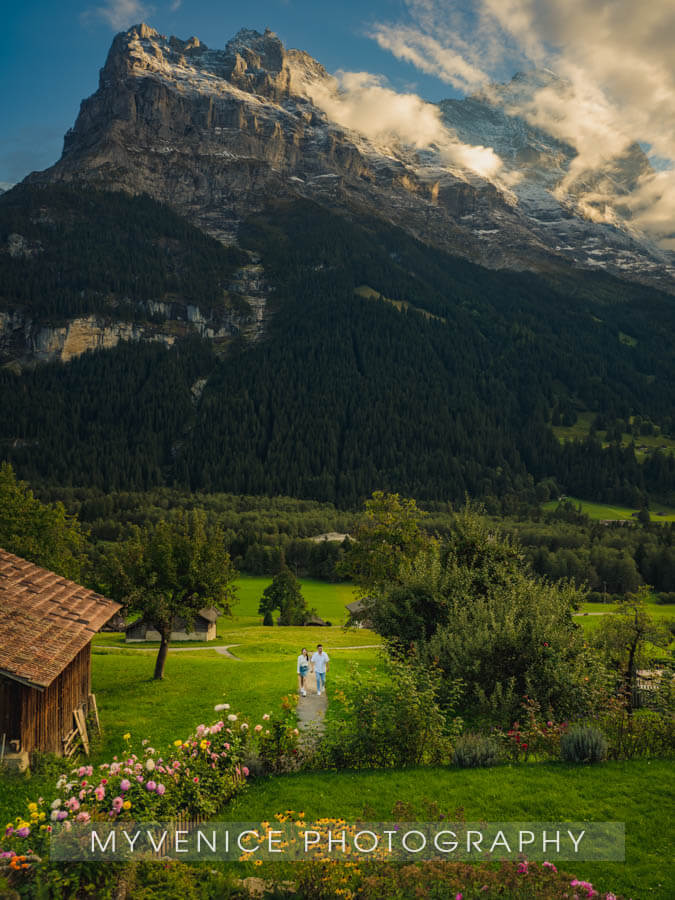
{"points": [[51, 52]]}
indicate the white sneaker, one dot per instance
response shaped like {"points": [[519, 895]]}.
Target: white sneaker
{"points": [[303, 692], [318, 693]]}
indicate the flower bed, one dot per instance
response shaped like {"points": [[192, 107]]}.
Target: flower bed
{"points": [[194, 779]]}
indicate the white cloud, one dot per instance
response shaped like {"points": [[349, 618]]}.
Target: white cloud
{"points": [[363, 102], [121, 14], [616, 59]]}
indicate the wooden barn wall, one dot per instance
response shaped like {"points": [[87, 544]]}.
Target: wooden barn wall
{"points": [[10, 711], [47, 716]]}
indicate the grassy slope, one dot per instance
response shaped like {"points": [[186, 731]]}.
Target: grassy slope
{"points": [[636, 793], [606, 511]]}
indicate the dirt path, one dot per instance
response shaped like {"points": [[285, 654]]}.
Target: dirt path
{"points": [[311, 711], [224, 650]]}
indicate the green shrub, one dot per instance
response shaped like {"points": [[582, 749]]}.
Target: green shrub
{"points": [[268, 618], [583, 744], [475, 751], [642, 733], [389, 719]]}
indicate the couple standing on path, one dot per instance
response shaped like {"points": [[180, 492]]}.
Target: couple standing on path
{"points": [[319, 665]]}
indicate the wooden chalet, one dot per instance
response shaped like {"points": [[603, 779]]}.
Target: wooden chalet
{"points": [[46, 626], [203, 628], [358, 616]]}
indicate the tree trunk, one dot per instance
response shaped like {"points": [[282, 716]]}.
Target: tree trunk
{"points": [[161, 656]]}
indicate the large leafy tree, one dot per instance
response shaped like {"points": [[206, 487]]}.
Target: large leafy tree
{"points": [[40, 532], [387, 536], [471, 606], [284, 594], [174, 568]]}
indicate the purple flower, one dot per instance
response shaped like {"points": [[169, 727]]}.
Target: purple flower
{"points": [[150, 786], [61, 815], [22, 832], [125, 784], [160, 789]]}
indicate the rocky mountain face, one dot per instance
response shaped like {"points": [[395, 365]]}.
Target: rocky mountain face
{"points": [[217, 134], [27, 339]]}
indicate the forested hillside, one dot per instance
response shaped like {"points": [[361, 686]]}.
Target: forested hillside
{"points": [[347, 394], [65, 252]]}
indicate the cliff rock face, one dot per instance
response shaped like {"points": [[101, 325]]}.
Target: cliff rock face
{"points": [[218, 133], [25, 339]]}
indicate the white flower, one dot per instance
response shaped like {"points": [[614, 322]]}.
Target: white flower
{"points": [[56, 804], [149, 764], [54, 815], [232, 717], [244, 726], [219, 707]]}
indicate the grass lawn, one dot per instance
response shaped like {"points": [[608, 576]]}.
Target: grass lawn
{"points": [[606, 511], [129, 700], [591, 614], [328, 599], [638, 793], [664, 612]]}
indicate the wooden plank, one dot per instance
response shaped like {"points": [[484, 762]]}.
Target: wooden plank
{"points": [[93, 711], [70, 742], [82, 728]]}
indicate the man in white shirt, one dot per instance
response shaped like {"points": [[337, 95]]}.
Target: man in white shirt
{"points": [[320, 662]]}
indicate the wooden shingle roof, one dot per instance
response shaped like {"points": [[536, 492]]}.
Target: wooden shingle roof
{"points": [[45, 620]]}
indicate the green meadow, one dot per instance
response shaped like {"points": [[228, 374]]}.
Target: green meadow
{"points": [[658, 512], [264, 671]]}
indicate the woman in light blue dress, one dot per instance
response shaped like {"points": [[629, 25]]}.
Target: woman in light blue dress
{"points": [[303, 670]]}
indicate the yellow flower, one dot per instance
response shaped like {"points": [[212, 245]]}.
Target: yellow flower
{"points": [[127, 736], [178, 743], [257, 862], [42, 816], [203, 745], [126, 804], [32, 807]]}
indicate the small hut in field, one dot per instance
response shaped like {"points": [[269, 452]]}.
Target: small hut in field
{"points": [[358, 616], [46, 626], [203, 628]]}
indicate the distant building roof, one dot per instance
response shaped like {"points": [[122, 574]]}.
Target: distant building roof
{"points": [[314, 620], [208, 613], [356, 607], [330, 536], [45, 620]]}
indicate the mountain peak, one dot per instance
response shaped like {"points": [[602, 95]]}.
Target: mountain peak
{"points": [[265, 49]]}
